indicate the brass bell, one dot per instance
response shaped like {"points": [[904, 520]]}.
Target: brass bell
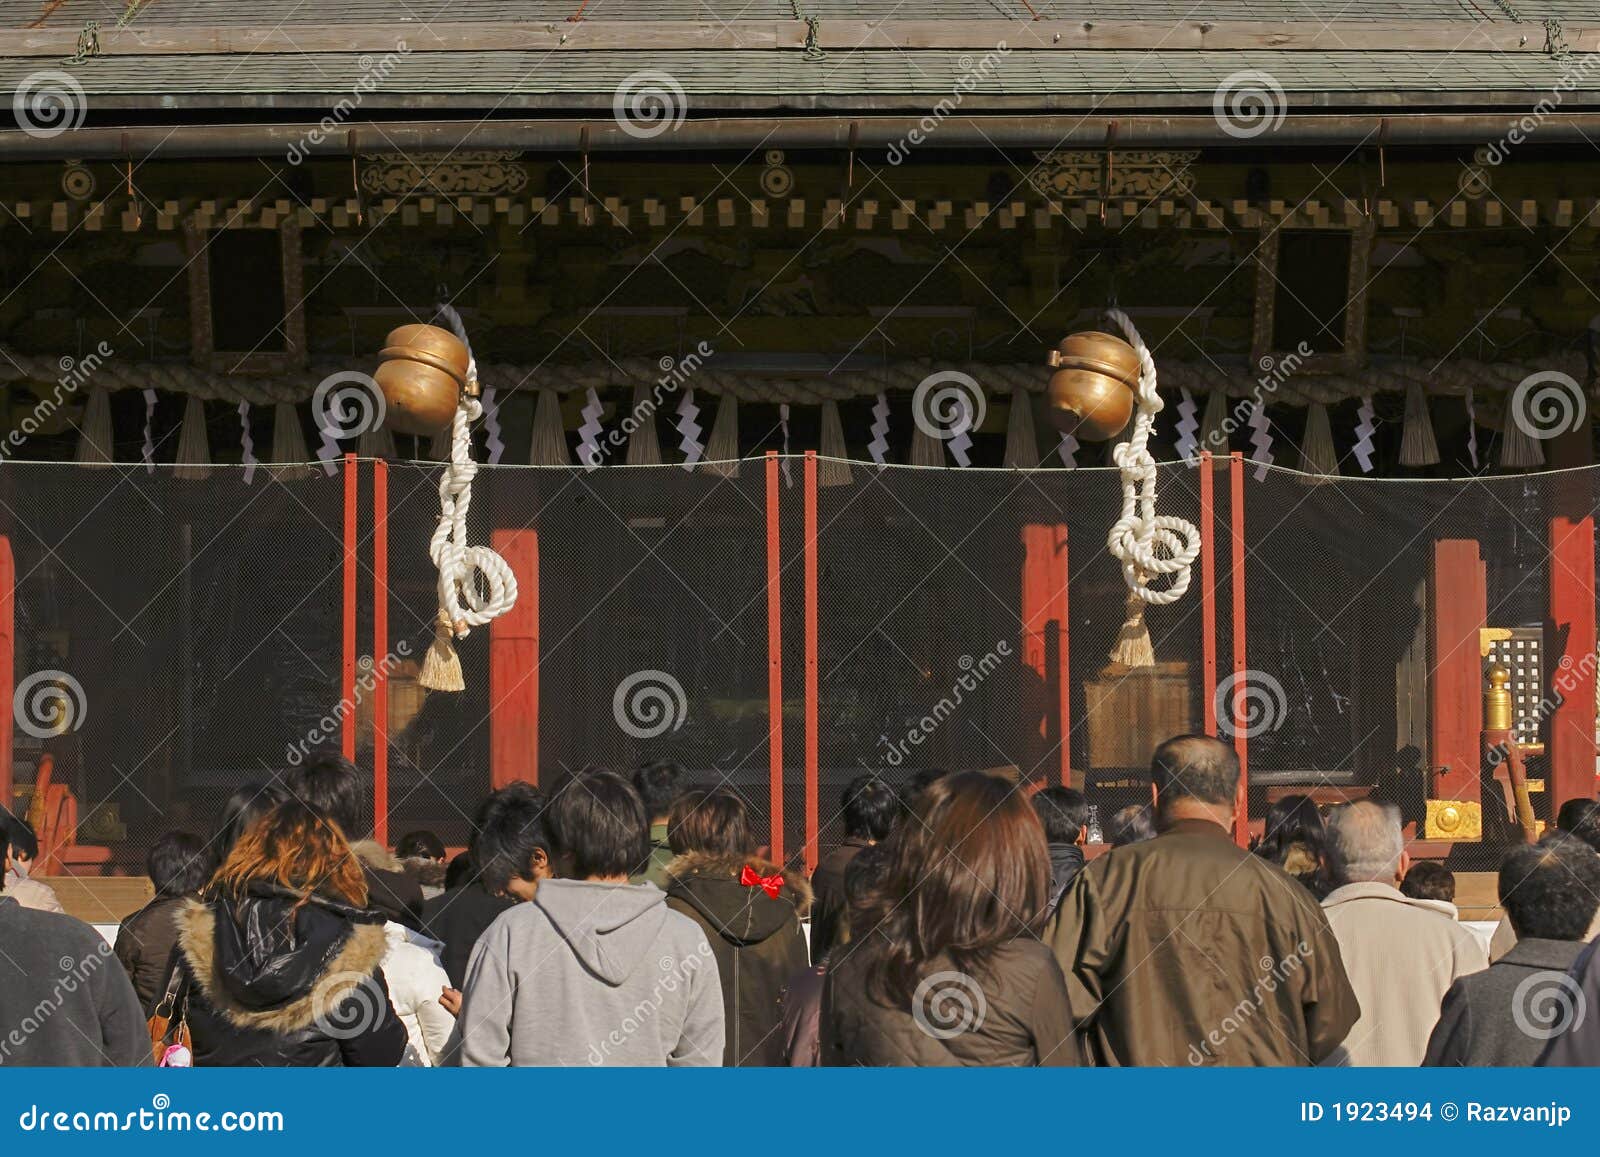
{"points": [[1091, 394], [422, 374]]}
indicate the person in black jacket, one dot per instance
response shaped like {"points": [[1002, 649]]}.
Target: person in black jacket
{"points": [[1065, 816], [869, 808], [280, 964], [179, 867], [510, 854], [332, 786]]}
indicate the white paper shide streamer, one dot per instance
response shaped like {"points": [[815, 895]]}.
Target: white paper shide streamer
{"points": [[689, 430], [589, 432], [1366, 426], [1068, 450], [1188, 428], [783, 423], [1260, 438], [1472, 431], [248, 444], [148, 450], [879, 446]]}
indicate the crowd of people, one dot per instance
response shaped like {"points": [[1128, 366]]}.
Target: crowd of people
{"points": [[634, 920]]}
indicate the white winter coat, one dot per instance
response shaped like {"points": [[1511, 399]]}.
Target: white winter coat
{"points": [[415, 977]]}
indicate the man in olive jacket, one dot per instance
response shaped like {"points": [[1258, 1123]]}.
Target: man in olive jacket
{"points": [[1188, 950]]}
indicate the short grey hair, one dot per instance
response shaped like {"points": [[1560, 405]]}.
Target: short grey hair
{"points": [[1364, 842]]}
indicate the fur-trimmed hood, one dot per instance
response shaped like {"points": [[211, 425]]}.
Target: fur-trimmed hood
{"points": [[375, 856], [263, 964], [742, 913]]}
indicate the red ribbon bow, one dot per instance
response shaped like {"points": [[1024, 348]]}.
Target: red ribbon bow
{"points": [[751, 878]]}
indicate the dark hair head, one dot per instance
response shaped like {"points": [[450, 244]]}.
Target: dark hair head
{"points": [[714, 821], [244, 807], [658, 784], [969, 874], [458, 872], [598, 827], [1427, 880], [331, 785], [1063, 812], [1581, 818], [510, 830], [920, 782], [1292, 820], [864, 874], [1549, 890], [870, 808], [178, 864], [24, 844], [297, 848], [1198, 767], [420, 846], [1131, 825]]}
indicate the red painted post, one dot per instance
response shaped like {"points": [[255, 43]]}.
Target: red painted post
{"points": [[347, 684], [1572, 622], [1063, 670], [514, 667], [8, 659], [1208, 589], [774, 660], [1458, 606], [1241, 741], [380, 651], [813, 738]]}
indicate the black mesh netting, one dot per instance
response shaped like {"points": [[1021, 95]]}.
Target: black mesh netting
{"points": [[202, 620]]}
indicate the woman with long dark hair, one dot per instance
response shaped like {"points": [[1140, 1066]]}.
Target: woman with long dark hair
{"points": [[1293, 838], [280, 964], [952, 971]]}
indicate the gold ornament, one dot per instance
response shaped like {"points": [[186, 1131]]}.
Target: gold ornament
{"points": [[1091, 394], [422, 374]]}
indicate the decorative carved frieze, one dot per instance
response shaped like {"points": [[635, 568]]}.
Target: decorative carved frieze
{"points": [[1139, 173], [491, 171]]}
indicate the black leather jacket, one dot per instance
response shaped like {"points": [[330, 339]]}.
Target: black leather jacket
{"points": [[271, 981]]}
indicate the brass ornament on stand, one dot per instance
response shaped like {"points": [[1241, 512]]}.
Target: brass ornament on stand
{"points": [[1091, 394], [422, 375]]}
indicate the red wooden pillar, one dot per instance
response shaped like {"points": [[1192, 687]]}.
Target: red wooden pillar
{"points": [[380, 651], [1044, 600], [1458, 602], [1241, 739], [813, 738], [8, 659], [347, 682], [774, 660], [1571, 650], [514, 667], [1208, 589]]}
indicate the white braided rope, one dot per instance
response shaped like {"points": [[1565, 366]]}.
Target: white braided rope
{"points": [[1147, 545], [461, 601]]}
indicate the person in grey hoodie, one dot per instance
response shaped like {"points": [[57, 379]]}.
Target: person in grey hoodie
{"points": [[593, 970]]}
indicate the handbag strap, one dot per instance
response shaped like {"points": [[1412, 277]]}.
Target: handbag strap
{"points": [[169, 997]]}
